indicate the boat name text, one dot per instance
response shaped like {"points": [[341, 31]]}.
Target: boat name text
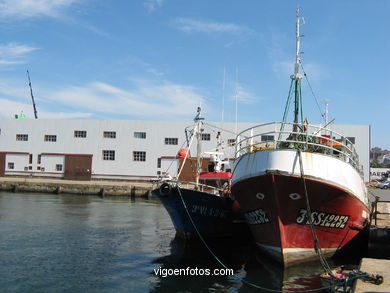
{"points": [[322, 219], [256, 217], [208, 211]]}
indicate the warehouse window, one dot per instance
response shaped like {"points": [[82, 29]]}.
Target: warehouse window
{"points": [[267, 138], [109, 134], [59, 167], [39, 159], [139, 156], [80, 133], [159, 163], [171, 140], [11, 165], [206, 136], [141, 135], [30, 158], [108, 155], [50, 137], [22, 137]]}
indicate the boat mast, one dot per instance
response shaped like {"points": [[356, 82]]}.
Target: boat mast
{"points": [[296, 77], [198, 134], [295, 86]]}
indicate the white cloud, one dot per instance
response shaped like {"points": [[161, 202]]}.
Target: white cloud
{"points": [[33, 8], [145, 100], [9, 108], [194, 25], [284, 68], [15, 89], [63, 115], [244, 96], [146, 66], [13, 53], [152, 5]]}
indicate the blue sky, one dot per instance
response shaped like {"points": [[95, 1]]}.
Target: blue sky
{"points": [[159, 59]]}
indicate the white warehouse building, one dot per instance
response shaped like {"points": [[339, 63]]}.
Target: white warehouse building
{"points": [[119, 149]]}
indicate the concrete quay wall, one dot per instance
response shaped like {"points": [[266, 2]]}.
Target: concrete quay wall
{"points": [[102, 188]]}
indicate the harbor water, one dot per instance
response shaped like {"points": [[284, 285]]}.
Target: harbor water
{"points": [[72, 243]]}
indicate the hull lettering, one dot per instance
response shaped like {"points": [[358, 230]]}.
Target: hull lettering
{"points": [[322, 219], [256, 217], [208, 211]]}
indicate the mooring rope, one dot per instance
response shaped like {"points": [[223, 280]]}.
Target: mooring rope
{"points": [[225, 267], [352, 276], [317, 246]]}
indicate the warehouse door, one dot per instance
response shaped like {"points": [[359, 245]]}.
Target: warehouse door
{"points": [[2, 164], [78, 167]]}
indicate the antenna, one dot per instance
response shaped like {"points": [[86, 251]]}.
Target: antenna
{"points": [[296, 75], [236, 96], [223, 93], [32, 96], [326, 112]]}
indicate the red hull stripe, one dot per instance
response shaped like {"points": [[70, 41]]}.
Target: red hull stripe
{"points": [[275, 208]]}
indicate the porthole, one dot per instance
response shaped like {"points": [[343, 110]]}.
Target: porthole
{"points": [[295, 196], [260, 195]]}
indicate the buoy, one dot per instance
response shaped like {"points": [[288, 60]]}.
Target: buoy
{"points": [[183, 153]]}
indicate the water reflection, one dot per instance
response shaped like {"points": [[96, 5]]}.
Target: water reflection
{"points": [[251, 270], [68, 243]]}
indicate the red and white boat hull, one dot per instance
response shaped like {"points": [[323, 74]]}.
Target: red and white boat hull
{"points": [[271, 193]]}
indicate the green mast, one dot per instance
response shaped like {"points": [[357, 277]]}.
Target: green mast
{"points": [[295, 87]]}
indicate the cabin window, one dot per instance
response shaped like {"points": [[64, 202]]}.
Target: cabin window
{"points": [[52, 138], [206, 136], [11, 165], [139, 156], [171, 141], [109, 155], [267, 138], [80, 133], [59, 167], [109, 134], [231, 141], [22, 137]]}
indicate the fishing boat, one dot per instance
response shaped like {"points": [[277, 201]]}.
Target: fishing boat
{"points": [[203, 208], [299, 185]]}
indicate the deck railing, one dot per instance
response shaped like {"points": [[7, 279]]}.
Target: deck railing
{"points": [[306, 137]]}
